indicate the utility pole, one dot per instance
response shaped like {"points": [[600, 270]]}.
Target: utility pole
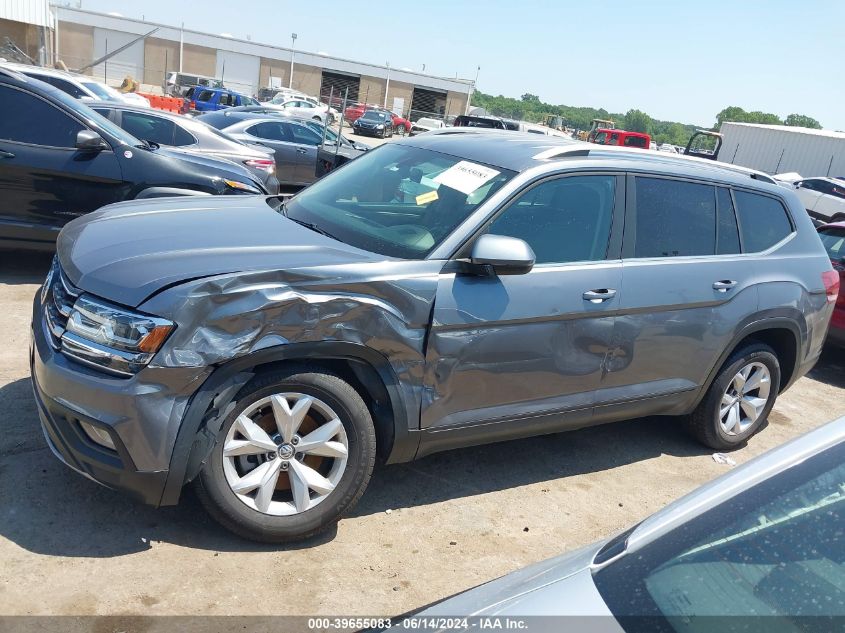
{"points": [[469, 94], [181, 47], [292, 53], [387, 85]]}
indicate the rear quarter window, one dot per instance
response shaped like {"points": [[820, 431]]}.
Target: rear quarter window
{"points": [[763, 221]]}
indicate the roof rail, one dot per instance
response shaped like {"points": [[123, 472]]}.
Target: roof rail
{"points": [[562, 151]]}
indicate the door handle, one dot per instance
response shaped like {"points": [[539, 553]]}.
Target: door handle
{"points": [[723, 285], [5, 154], [301, 150], [597, 296]]}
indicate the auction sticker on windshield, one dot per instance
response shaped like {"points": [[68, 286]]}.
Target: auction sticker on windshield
{"points": [[465, 176]]}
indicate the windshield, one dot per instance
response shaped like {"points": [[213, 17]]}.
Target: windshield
{"points": [[373, 115], [777, 549], [104, 92], [397, 200], [834, 242]]}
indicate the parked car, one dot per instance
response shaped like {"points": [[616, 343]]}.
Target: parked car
{"points": [[441, 291], [374, 123], [401, 125], [176, 84], [758, 549], [77, 86], [425, 124], [191, 136], [354, 111], [303, 108], [824, 198], [226, 118], [293, 142], [59, 159], [485, 121], [833, 238], [622, 138], [199, 99]]}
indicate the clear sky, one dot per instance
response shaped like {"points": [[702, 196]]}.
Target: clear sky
{"points": [[683, 60]]}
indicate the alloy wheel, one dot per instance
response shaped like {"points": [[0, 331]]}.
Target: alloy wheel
{"points": [[285, 453], [745, 398]]}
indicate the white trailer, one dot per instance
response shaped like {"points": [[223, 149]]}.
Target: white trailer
{"points": [[776, 149]]}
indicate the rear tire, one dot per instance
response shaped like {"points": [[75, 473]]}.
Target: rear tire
{"points": [[739, 400], [298, 502]]}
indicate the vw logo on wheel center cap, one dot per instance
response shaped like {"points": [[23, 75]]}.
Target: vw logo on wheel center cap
{"points": [[286, 451]]}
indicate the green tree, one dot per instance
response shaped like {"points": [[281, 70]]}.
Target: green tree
{"points": [[637, 121], [802, 120], [530, 98], [735, 114]]}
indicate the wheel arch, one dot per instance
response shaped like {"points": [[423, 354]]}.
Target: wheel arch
{"points": [[367, 370], [782, 334]]}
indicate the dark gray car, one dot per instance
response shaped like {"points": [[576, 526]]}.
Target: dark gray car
{"points": [[452, 289], [294, 142], [190, 136]]}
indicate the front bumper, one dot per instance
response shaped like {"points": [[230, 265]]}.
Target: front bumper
{"points": [[141, 414]]}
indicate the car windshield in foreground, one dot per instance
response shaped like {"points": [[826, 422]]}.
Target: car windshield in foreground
{"points": [[777, 549], [833, 239], [397, 200]]}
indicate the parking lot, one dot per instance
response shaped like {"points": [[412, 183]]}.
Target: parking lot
{"points": [[422, 532]]}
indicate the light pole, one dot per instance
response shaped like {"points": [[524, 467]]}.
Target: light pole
{"points": [[292, 52], [387, 85], [469, 94]]}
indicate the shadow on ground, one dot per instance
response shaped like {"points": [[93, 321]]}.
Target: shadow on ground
{"points": [[24, 267], [831, 367]]}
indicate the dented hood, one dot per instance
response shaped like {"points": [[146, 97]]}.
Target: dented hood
{"points": [[128, 251]]}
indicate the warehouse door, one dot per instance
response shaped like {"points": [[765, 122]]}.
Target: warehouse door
{"points": [[427, 103], [340, 82]]}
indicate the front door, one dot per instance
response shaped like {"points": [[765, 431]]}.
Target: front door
{"points": [[45, 181], [306, 142], [531, 347]]}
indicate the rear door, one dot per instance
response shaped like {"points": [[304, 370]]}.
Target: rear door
{"points": [[686, 287], [277, 137], [44, 180], [306, 141]]}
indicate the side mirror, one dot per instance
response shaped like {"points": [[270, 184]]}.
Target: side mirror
{"points": [[504, 255], [90, 141]]}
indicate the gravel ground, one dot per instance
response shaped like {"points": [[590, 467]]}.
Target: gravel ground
{"points": [[422, 531]]}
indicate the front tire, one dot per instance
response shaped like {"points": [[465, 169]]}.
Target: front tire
{"points": [[293, 456], [739, 400]]}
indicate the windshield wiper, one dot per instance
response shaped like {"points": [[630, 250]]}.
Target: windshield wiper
{"points": [[309, 225]]}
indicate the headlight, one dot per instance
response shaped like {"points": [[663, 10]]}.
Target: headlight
{"points": [[115, 339], [241, 186], [380, 126]]}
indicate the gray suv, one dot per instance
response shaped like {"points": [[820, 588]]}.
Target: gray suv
{"points": [[452, 289]]}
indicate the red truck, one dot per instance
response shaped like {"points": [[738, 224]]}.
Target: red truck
{"points": [[605, 136]]}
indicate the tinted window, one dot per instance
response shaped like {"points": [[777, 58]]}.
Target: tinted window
{"points": [[156, 129], [28, 119], [65, 86], [834, 242], [565, 220], [775, 550], [269, 130], [673, 219], [727, 233], [813, 185], [636, 141], [304, 135], [205, 95], [763, 221]]}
